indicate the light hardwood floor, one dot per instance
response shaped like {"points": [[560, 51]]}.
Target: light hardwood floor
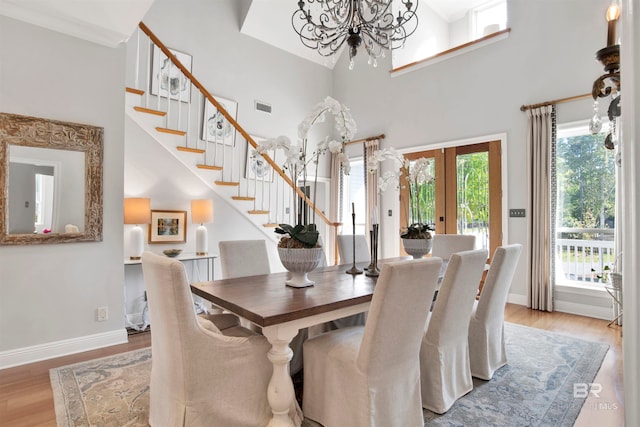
{"points": [[26, 398]]}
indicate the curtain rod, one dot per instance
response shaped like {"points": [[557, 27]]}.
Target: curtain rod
{"points": [[381, 136], [555, 101]]}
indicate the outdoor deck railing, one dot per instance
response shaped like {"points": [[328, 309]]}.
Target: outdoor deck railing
{"points": [[576, 257]]}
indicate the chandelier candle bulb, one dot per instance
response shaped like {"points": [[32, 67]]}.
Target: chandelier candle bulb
{"points": [[613, 13]]}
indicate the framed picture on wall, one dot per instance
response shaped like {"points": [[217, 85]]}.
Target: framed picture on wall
{"points": [[215, 126], [166, 79], [256, 166], [168, 227]]}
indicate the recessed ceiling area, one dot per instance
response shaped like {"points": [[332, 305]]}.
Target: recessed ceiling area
{"points": [[270, 22]]}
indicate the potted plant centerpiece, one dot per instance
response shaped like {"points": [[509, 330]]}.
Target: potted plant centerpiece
{"points": [[299, 249], [417, 238]]}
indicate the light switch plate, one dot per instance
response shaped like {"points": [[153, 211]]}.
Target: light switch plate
{"points": [[517, 213]]}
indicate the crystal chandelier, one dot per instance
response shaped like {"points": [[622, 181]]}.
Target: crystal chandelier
{"points": [[326, 25]]}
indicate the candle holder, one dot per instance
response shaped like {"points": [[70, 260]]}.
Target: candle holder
{"points": [[354, 270], [372, 270]]}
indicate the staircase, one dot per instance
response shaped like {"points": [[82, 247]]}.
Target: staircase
{"points": [[215, 151]]}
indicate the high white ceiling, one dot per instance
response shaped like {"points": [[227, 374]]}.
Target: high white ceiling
{"points": [[270, 22], [110, 22]]}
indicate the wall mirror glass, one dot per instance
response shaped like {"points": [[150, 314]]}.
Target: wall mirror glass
{"points": [[51, 181]]}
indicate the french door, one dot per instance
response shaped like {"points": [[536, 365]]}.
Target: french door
{"points": [[466, 197]]}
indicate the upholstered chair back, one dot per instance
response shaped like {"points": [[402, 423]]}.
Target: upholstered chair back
{"points": [[444, 245], [452, 309], [392, 333], [495, 291], [240, 258]]}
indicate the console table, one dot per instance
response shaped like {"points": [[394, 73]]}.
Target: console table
{"points": [[186, 257], [135, 300]]}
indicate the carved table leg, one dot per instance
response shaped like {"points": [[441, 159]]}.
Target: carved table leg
{"points": [[280, 393]]}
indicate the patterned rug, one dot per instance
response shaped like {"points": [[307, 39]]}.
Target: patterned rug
{"points": [[534, 389]]}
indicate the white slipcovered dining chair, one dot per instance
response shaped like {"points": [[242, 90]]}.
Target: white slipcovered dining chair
{"points": [[369, 375], [198, 375], [345, 248], [445, 374], [242, 258], [486, 327], [444, 245]]}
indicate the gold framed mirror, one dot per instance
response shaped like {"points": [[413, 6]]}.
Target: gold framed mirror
{"points": [[50, 181]]}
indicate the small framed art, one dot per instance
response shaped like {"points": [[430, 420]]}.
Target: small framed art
{"points": [[215, 126], [166, 79], [168, 227], [257, 167]]}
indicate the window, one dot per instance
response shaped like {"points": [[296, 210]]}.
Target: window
{"points": [[354, 195], [43, 218], [489, 18], [585, 205]]}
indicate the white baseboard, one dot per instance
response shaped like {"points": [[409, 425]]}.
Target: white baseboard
{"points": [[517, 299], [583, 310], [22, 356], [569, 307]]}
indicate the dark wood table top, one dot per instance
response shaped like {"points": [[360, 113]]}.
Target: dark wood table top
{"points": [[265, 300]]}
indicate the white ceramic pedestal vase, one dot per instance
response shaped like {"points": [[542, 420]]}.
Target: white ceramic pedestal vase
{"points": [[417, 248], [299, 262]]}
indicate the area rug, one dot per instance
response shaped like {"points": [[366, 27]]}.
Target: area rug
{"points": [[534, 389]]}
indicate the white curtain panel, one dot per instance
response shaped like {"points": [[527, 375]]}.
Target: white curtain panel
{"points": [[539, 145], [335, 197], [371, 184]]}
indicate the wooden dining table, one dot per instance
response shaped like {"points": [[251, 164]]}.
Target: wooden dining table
{"points": [[281, 311]]}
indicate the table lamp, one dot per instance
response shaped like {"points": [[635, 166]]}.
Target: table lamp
{"points": [[202, 213], [137, 211]]}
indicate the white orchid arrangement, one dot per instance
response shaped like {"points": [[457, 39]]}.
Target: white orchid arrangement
{"points": [[297, 162], [417, 173]]}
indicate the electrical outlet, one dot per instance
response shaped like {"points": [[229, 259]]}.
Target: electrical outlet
{"points": [[517, 213], [390, 212], [103, 314]]}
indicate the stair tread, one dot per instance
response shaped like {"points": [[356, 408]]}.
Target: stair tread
{"points": [[257, 212], [245, 198], [132, 90], [210, 167], [229, 183], [150, 111], [270, 224], [172, 131], [190, 150]]}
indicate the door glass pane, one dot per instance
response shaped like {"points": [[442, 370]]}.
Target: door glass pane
{"points": [[585, 205], [473, 196], [423, 205]]}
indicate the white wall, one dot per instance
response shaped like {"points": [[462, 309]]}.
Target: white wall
{"points": [[630, 67], [49, 293], [480, 92]]}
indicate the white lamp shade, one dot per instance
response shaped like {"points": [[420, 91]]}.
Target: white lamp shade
{"points": [[137, 210], [201, 211]]}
